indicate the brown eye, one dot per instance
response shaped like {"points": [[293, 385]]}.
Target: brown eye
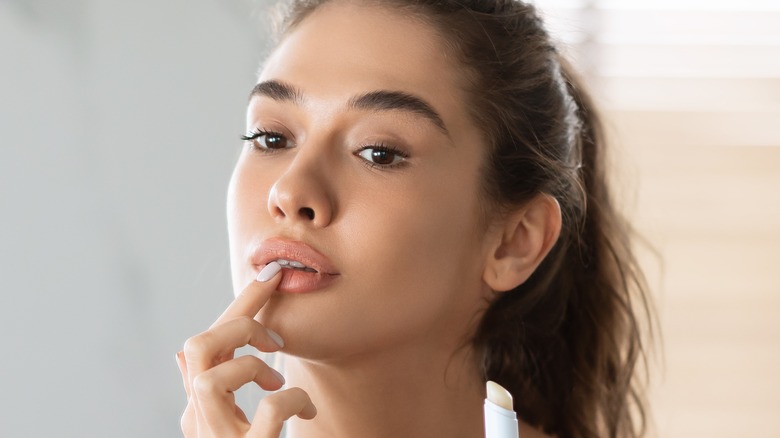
{"points": [[266, 140], [271, 141], [381, 156]]}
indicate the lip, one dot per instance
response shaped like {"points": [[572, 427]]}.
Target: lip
{"points": [[294, 281]]}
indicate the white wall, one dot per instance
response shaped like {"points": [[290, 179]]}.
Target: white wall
{"points": [[119, 125]]}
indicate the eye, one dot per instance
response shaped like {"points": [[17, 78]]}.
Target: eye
{"points": [[382, 156], [267, 140]]}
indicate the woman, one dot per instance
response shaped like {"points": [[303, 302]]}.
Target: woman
{"points": [[420, 206]]}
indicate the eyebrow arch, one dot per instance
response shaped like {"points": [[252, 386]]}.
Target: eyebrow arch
{"points": [[397, 100], [277, 90]]}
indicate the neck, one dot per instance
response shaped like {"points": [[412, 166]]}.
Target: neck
{"points": [[409, 393]]}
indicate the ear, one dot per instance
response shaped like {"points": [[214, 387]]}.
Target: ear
{"points": [[521, 242]]}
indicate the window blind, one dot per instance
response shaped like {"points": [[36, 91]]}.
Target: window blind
{"points": [[674, 55]]}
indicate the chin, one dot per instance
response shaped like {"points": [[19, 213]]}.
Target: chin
{"points": [[314, 336]]}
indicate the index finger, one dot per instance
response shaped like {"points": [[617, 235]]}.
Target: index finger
{"points": [[254, 296]]}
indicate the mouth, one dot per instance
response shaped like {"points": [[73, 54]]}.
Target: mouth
{"points": [[304, 268]]}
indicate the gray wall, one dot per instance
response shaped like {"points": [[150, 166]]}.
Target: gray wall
{"points": [[119, 125]]}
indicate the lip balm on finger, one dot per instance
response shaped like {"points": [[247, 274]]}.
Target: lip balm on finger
{"points": [[500, 419]]}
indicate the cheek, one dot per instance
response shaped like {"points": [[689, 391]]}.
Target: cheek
{"points": [[240, 197], [420, 258]]}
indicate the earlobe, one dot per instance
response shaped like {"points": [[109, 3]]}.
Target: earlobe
{"points": [[521, 243]]}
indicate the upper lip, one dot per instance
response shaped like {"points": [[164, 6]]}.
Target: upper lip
{"points": [[279, 248]]}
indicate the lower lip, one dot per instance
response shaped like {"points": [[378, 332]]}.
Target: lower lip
{"points": [[299, 282]]}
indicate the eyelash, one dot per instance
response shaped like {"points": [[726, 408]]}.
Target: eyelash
{"points": [[382, 147], [257, 133]]}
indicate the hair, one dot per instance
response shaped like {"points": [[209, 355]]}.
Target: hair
{"points": [[567, 340]]}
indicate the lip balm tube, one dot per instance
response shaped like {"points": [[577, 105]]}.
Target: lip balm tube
{"points": [[500, 419]]}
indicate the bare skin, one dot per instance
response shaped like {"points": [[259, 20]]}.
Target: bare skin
{"points": [[210, 374], [389, 195]]}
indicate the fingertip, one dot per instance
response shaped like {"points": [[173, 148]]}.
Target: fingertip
{"points": [[308, 412], [254, 296], [180, 361], [275, 337], [279, 377], [268, 272]]}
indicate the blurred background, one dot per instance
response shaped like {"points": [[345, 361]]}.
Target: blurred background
{"points": [[691, 93], [119, 125]]}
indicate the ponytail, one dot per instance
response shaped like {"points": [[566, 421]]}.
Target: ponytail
{"points": [[567, 341]]}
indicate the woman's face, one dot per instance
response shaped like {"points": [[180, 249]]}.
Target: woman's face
{"points": [[365, 168]]}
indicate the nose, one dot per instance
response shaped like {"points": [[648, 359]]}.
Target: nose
{"points": [[301, 195]]}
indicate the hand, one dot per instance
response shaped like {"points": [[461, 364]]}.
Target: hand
{"points": [[211, 373]]}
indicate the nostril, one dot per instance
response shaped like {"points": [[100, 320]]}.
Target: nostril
{"points": [[307, 212]]}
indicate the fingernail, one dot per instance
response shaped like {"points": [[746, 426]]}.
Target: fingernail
{"points": [[278, 376], [275, 337], [268, 272]]}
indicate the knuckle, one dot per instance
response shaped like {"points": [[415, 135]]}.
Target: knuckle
{"points": [[271, 409], [297, 392], [196, 345], [204, 385], [252, 361], [246, 322]]}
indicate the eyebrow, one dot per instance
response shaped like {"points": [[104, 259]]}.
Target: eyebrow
{"points": [[381, 100], [277, 91], [397, 100]]}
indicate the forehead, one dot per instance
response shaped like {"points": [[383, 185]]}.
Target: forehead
{"points": [[343, 48]]}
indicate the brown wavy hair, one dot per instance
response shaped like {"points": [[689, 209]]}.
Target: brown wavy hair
{"points": [[567, 341]]}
